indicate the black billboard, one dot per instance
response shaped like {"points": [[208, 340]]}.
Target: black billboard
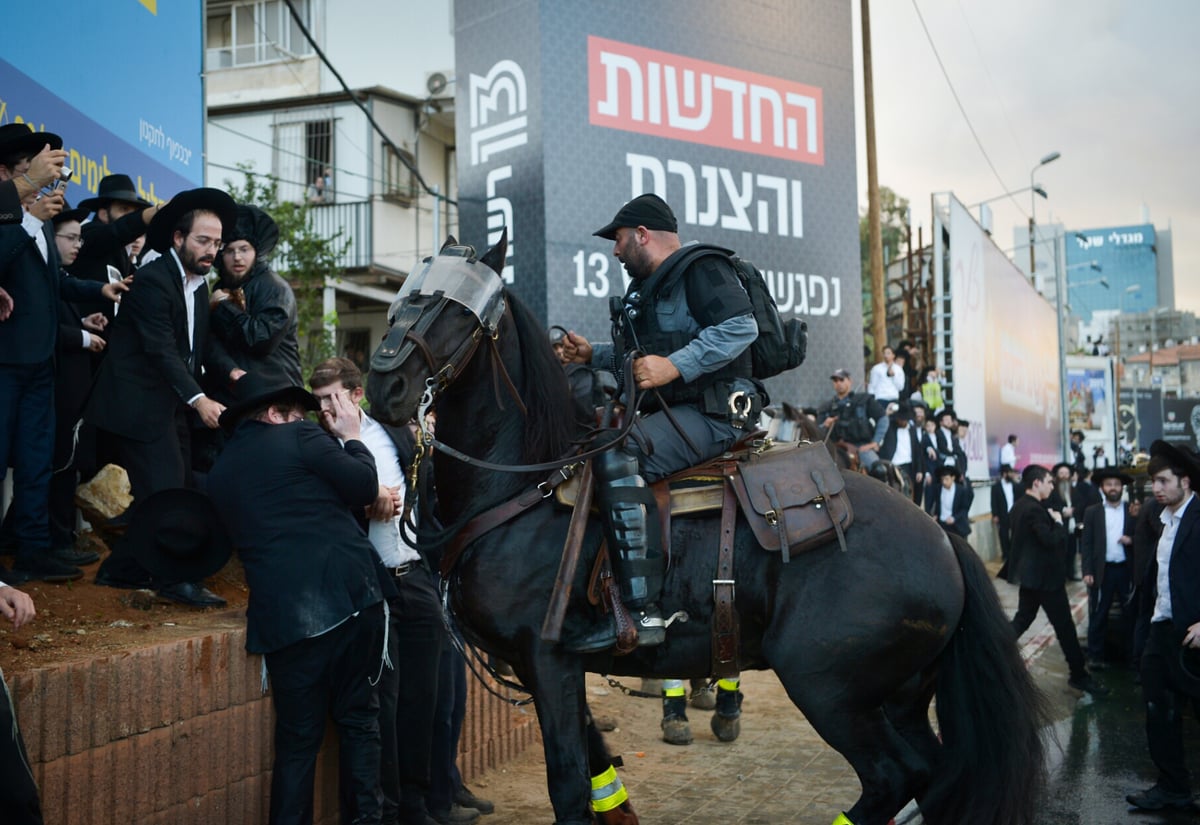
{"points": [[739, 114]]}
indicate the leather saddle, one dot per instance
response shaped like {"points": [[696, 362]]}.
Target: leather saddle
{"points": [[792, 495]]}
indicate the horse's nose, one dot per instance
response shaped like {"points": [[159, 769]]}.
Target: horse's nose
{"points": [[397, 393]]}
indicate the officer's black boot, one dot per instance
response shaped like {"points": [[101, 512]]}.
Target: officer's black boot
{"points": [[635, 546]]}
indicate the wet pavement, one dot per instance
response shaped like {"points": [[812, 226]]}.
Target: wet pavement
{"points": [[780, 771]]}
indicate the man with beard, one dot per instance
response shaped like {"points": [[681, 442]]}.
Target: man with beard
{"points": [[1062, 499], [1169, 662], [692, 323], [148, 384], [1104, 560]]}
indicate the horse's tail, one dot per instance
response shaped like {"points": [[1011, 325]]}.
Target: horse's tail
{"points": [[991, 714]]}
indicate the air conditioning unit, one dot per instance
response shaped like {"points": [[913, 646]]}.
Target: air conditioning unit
{"points": [[436, 83]]}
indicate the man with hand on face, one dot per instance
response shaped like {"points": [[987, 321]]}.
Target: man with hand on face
{"points": [[148, 384], [288, 493]]}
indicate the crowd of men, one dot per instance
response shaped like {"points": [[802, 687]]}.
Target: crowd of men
{"points": [[112, 350], [196, 392]]}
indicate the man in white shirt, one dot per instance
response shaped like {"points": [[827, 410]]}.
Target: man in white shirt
{"points": [[1169, 662], [18, 791], [886, 381], [1107, 537], [1008, 451], [408, 691]]}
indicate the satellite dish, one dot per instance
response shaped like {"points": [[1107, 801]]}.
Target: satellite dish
{"points": [[436, 83]]}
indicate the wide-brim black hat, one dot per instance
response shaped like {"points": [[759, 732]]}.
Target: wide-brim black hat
{"points": [[161, 231], [256, 227], [19, 137], [114, 188], [177, 535], [1054, 469], [252, 390], [1103, 473], [937, 416], [648, 210], [69, 214], [948, 470], [1179, 455]]}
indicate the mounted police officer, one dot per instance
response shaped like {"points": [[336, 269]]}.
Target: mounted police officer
{"points": [[689, 324], [856, 417]]}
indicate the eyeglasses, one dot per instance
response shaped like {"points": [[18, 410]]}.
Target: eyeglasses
{"points": [[74, 239], [236, 251], [205, 242]]}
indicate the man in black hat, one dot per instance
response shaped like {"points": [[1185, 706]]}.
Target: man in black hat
{"points": [[901, 445], [286, 490], [148, 384], [121, 216], [1005, 493], [1105, 561], [45, 167], [951, 504], [1036, 566], [857, 419], [950, 449], [1170, 664], [32, 282], [693, 324]]}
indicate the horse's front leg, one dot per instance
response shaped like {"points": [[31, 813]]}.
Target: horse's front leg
{"points": [[556, 680]]}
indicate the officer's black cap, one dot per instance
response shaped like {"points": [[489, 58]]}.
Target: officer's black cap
{"points": [[648, 210]]}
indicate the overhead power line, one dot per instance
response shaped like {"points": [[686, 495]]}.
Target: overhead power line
{"points": [[963, 110], [370, 118]]}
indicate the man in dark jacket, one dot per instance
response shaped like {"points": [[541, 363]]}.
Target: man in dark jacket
{"points": [[901, 445], [1105, 560], [854, 417], [1037, 567], [257, 326], [951, 502], [149, 382], [286, 491], [1170, 664], [1005, 493]]}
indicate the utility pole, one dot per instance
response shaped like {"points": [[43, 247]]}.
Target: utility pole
{"points": [[875, 234]]}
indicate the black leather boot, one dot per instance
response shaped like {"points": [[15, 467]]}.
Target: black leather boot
{"points": [[635, 546]]}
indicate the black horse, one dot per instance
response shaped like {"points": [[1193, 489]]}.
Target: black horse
{"points": [[862, 640]]}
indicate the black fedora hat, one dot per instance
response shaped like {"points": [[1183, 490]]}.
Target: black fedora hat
{"points": [[69, 214], [161, 231], [114, 188], [948, 470], [19, 137], [1180, 455], [937, 416], [1054, 469], [177, 535], [648, 210], [256, 227], [252, 390], [1104, 473]]}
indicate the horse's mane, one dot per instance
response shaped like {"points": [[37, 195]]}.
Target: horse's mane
{"points": [[544, 390]]}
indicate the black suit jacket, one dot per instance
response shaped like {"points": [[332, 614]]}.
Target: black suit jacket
{"points": [[961, 509], [1037, 562], [10, 203], [36, 285], [104, 246], [1000, 506], [149, 368], [1185, 570], [950, 451], [1094, 548], [888, 448], [288, 494]]}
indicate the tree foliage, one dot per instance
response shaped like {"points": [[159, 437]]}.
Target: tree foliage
{"points": [[893, 220], [302, 257]]}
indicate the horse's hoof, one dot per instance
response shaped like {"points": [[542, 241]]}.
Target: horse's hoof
{"points": [[676, 731], [726, 728], [703, 699]]}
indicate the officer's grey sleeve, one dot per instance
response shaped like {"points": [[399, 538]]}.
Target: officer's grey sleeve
{"points": [[602, 355], [715, 347]]}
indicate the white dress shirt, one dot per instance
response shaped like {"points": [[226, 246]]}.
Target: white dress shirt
{"points": [[883, 386], [1114, 529], [1008, 455], [386, 536], [947, 503], [1166, 542], [1007, 487]]}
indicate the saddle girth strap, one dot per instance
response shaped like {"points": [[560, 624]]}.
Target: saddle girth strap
{"points": [[837, 524], [725, 620]]}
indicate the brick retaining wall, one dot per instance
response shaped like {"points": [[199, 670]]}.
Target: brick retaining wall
{"points": [[180, 733]]}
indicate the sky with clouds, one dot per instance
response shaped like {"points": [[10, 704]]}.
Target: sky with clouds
{"points": [[1111, 84]]}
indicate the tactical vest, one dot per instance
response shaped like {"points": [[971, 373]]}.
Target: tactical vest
{"points": [[854, 420], [636, 326]]}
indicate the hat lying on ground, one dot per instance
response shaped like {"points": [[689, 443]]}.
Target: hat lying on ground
{"points": [[177, 535]]}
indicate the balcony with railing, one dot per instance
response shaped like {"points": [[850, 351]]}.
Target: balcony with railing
{"points": [[350, 223]]}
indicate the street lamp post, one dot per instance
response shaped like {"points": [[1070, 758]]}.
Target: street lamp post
{"points": [[1137, 429], [1050, 158]]}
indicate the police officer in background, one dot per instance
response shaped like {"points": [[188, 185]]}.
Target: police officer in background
{"points": [[692, 326], [855, 418]]}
